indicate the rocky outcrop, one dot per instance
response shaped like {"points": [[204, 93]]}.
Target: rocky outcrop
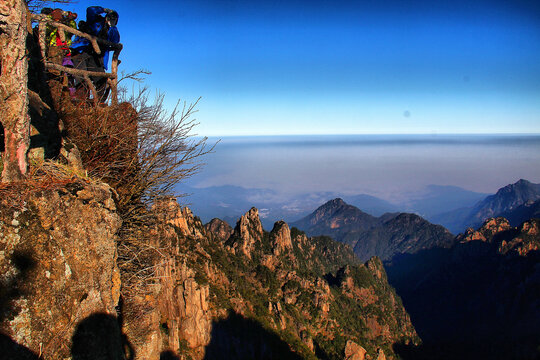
{"points": [[525, 240], [380, 355], [173, 314], [486, 232], [198, 298], [280, 238], [219, 229], [169, 212], [509, 240], [59, 272], [247, 234], [183, 306], [368, 284], [485, 286], [353, 351], [214, 297]]}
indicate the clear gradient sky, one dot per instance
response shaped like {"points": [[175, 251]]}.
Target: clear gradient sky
{"points": [[340, 67]]}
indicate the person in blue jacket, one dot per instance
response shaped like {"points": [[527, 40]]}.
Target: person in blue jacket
{"points": [[100, 26]]}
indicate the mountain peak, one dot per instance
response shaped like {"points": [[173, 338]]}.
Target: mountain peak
{"points": [[247, 233], [506, 199], [520, 185], [333, 217], [337, 202]]}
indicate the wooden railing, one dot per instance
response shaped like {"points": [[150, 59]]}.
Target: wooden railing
{"points": [[112, 77]]}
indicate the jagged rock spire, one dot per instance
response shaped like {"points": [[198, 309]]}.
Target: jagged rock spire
{"points": [[247, 233], [280, 238]]}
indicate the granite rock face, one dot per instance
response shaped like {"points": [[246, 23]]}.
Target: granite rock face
{"points": [[518, 240], [247, 234], [353, 351], [59, 273], [219, 229], [280, 238], [257, 295], [487, 231], [265, 295]]}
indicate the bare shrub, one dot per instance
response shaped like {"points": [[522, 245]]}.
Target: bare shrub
{"points": [[167, 152], [36, 5], [139, 148]]}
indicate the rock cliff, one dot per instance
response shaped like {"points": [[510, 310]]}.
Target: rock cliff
{"points": [[247, 234], [59, 273], [277, 295], [269, 295]]}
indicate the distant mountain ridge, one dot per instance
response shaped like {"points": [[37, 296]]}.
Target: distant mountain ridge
{"points": [[449, 206], [506, 199], [438, 198], [371, 204], [337, 219], [503, 203], [384, 236]]}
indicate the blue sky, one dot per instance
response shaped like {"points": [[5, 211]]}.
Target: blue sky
{"points": [[340, 67]]}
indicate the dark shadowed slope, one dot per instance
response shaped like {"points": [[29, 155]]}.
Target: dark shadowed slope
{"points": [[478, 299], [405, 233]]}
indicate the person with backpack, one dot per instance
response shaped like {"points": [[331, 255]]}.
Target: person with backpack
{"points": [[85, 58], [59, 42]]}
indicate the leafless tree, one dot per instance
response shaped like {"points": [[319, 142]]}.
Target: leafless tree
{"points": [[36, 5]]}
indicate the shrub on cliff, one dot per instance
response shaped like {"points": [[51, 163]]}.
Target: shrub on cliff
{"points": [[137, 147]]}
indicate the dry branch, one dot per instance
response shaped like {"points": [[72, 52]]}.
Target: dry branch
{"points": [[79, 72], [93, 39]]}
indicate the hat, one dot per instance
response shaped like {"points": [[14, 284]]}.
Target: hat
{"points": [[57, 14]]}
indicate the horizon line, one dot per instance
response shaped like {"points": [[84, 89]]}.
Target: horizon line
{"points": [[376, 134]]}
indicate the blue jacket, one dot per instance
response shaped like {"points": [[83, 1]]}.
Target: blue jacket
{"points": [[113, 36], [95, 22]]}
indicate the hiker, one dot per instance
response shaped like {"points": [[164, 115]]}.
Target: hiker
{"points": [[58, 42], [85, 58]]}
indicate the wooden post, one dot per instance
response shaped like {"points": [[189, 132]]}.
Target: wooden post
{"points": [[42, 43], [114, 81], [92, 88]]}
